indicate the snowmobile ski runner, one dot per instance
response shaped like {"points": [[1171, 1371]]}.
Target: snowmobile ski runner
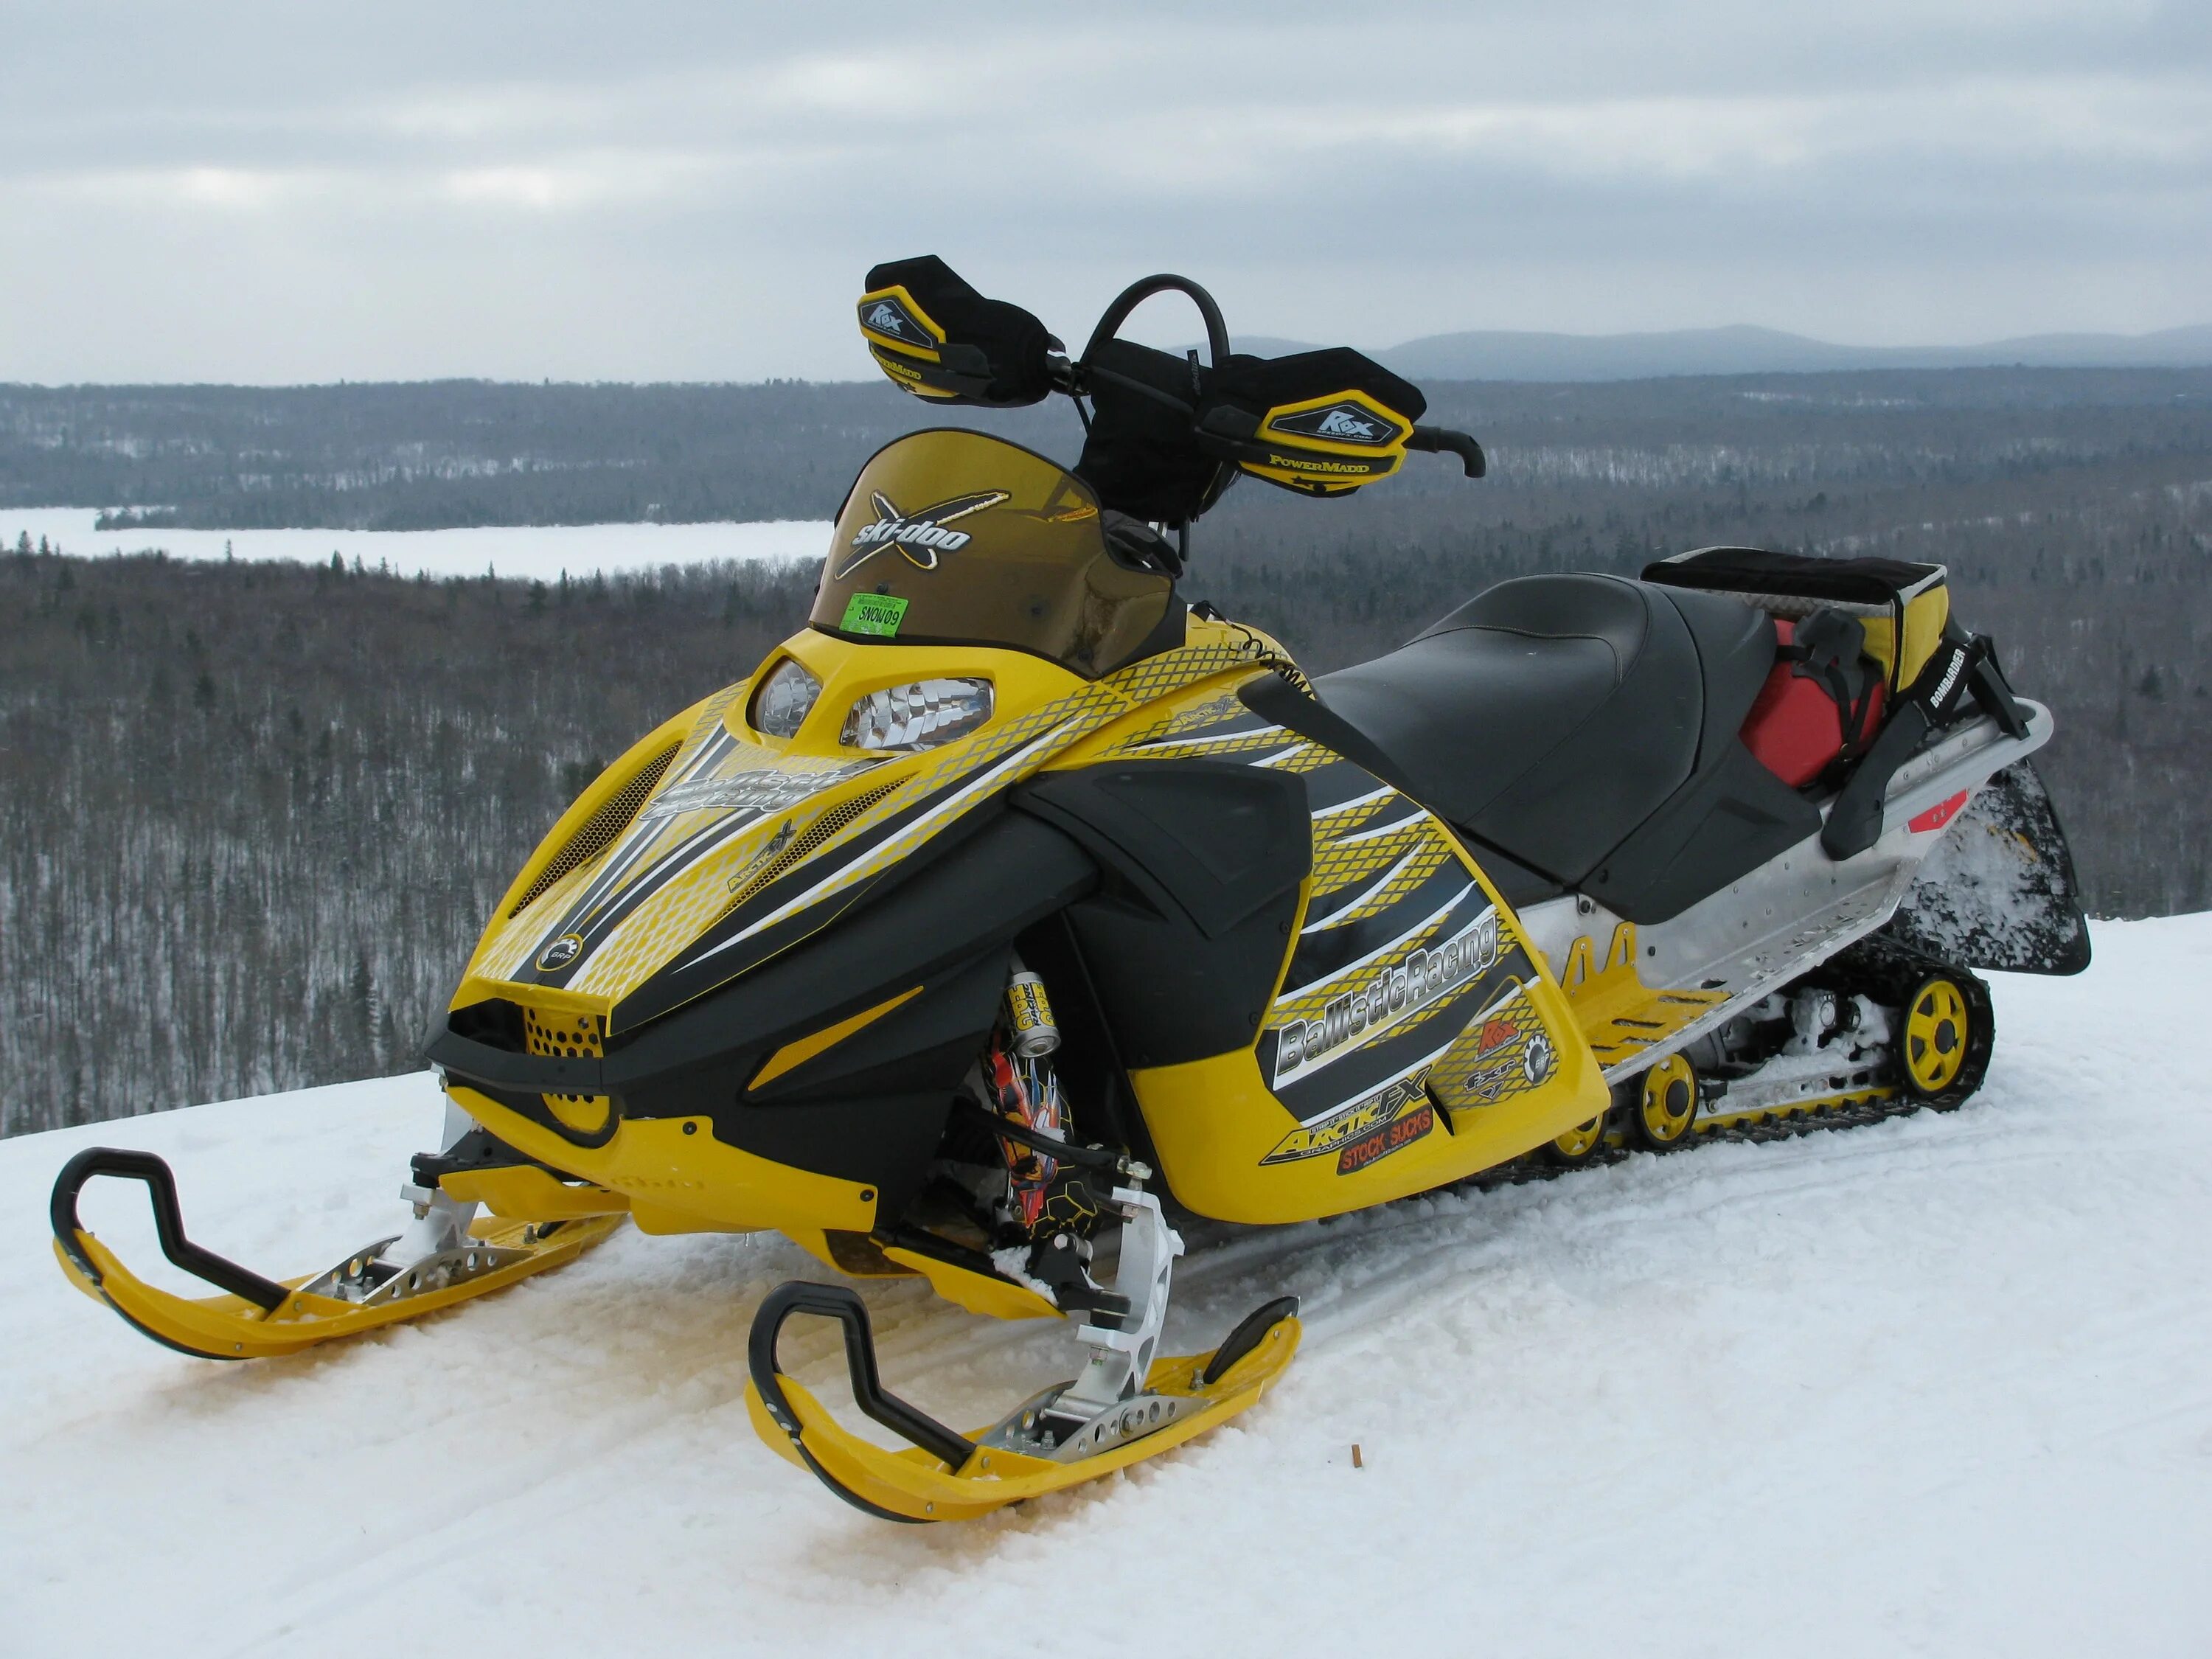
{"points": [[1015, 912]]}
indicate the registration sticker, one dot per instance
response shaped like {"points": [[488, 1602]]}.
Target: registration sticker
{"points": [[873, 613]]}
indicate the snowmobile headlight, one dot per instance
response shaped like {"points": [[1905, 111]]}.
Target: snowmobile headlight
{"points": [[784, 700], [920, 714]]}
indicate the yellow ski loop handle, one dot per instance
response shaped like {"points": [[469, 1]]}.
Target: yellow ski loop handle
{"points": [[844, 1305], [168, 1223]]}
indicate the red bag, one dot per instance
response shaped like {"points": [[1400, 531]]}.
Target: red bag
{"points": [[1796, 728]]}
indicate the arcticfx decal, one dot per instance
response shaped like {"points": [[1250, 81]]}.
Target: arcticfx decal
{"points": [[1394, 1116], [921, 537], [1392, 990]]}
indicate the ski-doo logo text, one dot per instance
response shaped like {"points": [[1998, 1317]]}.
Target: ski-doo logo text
{"points": [[921, 537], [1397, 991], [1343, 422], [560, 953], [916, 532]]}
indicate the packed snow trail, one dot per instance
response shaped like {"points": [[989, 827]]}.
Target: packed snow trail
{"points": [[1940, 1385]]}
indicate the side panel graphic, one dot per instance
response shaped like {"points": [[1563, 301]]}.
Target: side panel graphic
{"points": [[1413, 1037]]}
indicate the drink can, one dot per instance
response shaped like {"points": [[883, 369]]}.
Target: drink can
{"points": [[1028, 1012]]}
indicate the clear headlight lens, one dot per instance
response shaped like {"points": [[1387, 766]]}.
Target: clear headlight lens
{"points": [[783, 700], [920, 714]]}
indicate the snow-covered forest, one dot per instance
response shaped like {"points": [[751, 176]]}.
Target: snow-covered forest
{"points": [[252, 816]]}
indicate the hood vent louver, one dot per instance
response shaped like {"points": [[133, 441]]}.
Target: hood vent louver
{"points": [[810, 841], [599, 830]]}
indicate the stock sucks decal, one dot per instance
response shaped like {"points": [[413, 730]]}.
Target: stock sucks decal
{"points": [[1391, 1119], [921, 537]]}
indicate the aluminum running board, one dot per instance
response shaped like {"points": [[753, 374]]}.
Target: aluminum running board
{"points": [[1669, 983]]}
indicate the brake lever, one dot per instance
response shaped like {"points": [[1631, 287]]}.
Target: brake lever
{"points": [[1442, 441]]}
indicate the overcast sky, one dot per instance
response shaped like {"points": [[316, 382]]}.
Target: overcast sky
{"points": [[630, 190]]}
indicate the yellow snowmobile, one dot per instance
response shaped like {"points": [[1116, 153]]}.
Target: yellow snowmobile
{"points": [[1014, 912]]}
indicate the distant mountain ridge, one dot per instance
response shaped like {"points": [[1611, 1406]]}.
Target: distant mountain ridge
{"points": [[1507, 355]]}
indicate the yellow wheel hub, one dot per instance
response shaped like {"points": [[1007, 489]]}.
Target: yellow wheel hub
{"points": [[1669, 1102], [1582, 1139], [1936, 1028]]}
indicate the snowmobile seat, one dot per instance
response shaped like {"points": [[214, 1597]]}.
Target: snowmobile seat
{"points": [[1557, 719]]}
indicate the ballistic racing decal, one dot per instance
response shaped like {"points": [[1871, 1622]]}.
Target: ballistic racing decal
{"points": [[1391, 991]]}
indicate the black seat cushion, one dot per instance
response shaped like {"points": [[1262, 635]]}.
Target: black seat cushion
{"points": [[1548, 716], [1586, 728]]}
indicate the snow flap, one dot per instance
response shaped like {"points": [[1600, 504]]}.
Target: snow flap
{"points": [[1999, 890]]}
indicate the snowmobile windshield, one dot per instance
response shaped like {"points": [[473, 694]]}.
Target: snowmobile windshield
{"points": [[958, 539]]}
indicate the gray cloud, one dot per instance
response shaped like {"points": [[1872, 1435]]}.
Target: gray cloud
{"points": [[692, 192]]}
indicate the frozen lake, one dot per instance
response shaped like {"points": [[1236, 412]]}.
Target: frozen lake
{"points": [[517, 551]]}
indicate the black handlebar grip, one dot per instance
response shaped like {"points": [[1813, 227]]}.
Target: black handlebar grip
{"points": [[168, 1223], [1442, 441]]}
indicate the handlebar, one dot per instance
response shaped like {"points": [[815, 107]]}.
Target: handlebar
{"points": [[1110, 324], [1442, 441]]}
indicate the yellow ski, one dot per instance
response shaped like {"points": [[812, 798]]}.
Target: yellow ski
{"points": [[954, 1477], [258, 1318]]}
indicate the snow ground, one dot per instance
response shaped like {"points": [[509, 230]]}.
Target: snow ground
{"points": [[1940, 1386], [523, 551]]}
